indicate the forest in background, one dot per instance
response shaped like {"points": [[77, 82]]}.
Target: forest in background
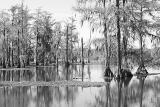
{"points": [[38, 39], [28, 38]]}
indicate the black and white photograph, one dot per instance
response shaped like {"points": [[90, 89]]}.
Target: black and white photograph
{"points": [[79, 53]]}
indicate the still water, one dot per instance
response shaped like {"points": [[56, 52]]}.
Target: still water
{"points": [[130, 92]]}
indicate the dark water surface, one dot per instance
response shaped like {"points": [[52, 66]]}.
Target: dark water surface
{"points": [[130, 92]]}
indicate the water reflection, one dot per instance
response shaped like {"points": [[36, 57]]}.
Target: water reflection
{"points": [[16, 75], [135, 92], [129, 92], [141, 86], [108, 96], [123, 91], [14, 97], [82, 72], [44, 96], [54, 73]]}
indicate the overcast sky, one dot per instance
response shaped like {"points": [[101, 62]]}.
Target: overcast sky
{"points": [[59, 8]]}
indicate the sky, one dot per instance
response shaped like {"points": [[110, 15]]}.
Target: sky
{"points": [[61, 10]]}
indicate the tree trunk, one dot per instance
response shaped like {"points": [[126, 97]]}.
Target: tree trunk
{"points": [[107, 52], [106, 38], [28, 60], [3, 59], [4, 46], [67, 62], [125, 40], [44, 58], [12, 55], [7, 57], [82, 72], [37, 46], [82, 57], [56, 61], [108, 72], [141, 41], [88, 55], [141, 69], [22, 33], [19, 62], [72, 52], [141, 50], [12, 42], [8, 53], [118, 39], [125, 50]]}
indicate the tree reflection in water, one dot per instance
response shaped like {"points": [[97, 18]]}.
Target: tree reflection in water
{"points": [[16, 75], [46, 73], [68, 73], [89, 72], [108, 97], [126, 83], [63, 73], [82, 72], [115, 96], [44, 96], [123, 93], [141, 85], [119, 92], [14, 97]]}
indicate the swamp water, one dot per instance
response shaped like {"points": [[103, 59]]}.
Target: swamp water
{"points": [[130, 92]]}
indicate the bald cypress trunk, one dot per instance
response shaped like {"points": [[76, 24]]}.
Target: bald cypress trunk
{"points": [[108, 72], [4, 46], [82, 57], [19, 62], [12, 55], [106, 46], [22, 34], [88, 54], [141, 69], [125, 39], [118, 39], [141, 40], [67, 62], [12, 59], [9, 56], [3, 59], [106, 38], [37, 38], [8, 53], [141, 50]]}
